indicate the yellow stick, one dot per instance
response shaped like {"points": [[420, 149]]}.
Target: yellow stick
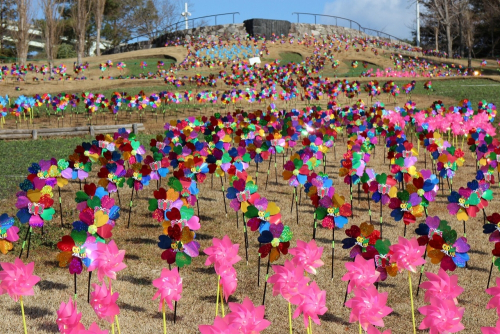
{"points": [[217, 303], [111, 292], [360, 329], [290, 316], [24, 319], [117, 324], [164, 317], [412, 308], [310, 326], [222, 303]]}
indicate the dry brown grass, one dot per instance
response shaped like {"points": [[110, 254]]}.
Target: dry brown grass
{"points": [[197, 306]]}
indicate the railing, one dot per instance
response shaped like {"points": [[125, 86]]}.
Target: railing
{"points": [[175, 26], [360, 28]]}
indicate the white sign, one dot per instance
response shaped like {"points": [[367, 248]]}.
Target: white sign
{"points": [[254, 60]]}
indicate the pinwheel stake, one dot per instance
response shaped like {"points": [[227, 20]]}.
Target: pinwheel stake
{"points": [[258, 268], [24, 241], [369, 209], [267, 276], [489, 276], [88, 288], [333, 248], [75, 284], [223, 195], [350, 191], [257, 173], [130, 209], [245, 236], [198, 207], [381, 218], [60, 206], [268, 168], [118, 194], [276, 167], [314, 227], [421, 271], [297, 208]]}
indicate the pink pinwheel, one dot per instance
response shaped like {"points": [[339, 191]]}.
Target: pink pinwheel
{"points": [[441, 286], [223, 252], [442, 316], [373, 330], [93, 329], [307, 254], [368, 307], [228, 280], [246, 318], [491, 330], [407, 254], [289, 281], [104, 303], [361, 273], [169, 287], [220, 326], [17, 279], [68, 318], [312, 304], [495, 300], [107, 259]]}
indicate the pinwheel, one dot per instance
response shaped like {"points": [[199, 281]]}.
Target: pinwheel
{"points": [[184, 216], [361, 239], [383, 260], [8, 233], [163, 202], [158, 165], [138, 176], [407, 207], [112, 177], [187, 188], [73, 249], [97, 211], [242, 194], [448, 250], [178, 243], [262, 215], [35, 206], [425, 184], [198, 169], [383, 189]]}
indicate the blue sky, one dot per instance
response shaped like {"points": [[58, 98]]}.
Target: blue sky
{"points": [[395, 17]]}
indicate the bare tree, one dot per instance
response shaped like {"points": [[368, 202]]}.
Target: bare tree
{"points": [[80, 10], [443, 10], [469, 25], [24, 17], [99, 12], [155, 16], [52, 28]]}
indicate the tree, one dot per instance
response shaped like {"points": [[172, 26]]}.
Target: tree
{"points": [[7, 15], [98, 16], [469, 24], [79, 13], [153, 25], [52, 28], [24, 16], [119, 21]]}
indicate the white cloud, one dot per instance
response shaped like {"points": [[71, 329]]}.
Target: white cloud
{"points": [[390, 16]]}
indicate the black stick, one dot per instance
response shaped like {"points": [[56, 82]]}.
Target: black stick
{"points": [[130, 207], [175, 305], [257, 173], [276, 167], [258, 268], [333, 247], [297, 209], [404, 234], [60, 206], [245, 236], [88, 289], [421, 271], [198, 207], [369, 209], [381, 218], [489, 276], [268, 168], [267, 276], [223, 194], [118, 194], [24, 241], [314, 228], [293, 195], [29, 242], [75, 284]]}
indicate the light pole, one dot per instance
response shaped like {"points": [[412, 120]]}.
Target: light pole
{"points": [[185, 13]]}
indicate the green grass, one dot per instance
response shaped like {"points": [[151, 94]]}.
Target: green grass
{"points": [[352, 72], [474, 90], [134, 65], [19, 154], [290, 57]]}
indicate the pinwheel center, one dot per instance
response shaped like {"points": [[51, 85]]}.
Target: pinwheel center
{"points": [[42, 175], [362, 241], [79, 252], [405, 207], [243, 196], [164, 204], [103, 144], [420, 192], [92, 229], [112, 177], [263, 215], [134, 152], [322, 192], [77, 165], [462, 203], [86, 153], [449, 250], [35, 208], [295, 172], [155, 165], [258, 150], [3, 235], [137, 176], [160, 145], [181, 221], [407, 154], [275, 242]]}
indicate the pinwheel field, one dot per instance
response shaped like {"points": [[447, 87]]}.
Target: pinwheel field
{"points": [[385, 158]]}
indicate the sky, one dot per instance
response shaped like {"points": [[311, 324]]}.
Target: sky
{"points": [[395, 17]]}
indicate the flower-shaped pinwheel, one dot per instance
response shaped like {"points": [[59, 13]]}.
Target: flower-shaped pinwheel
{"points": [[112, 176], [361, 239], [383, 188], [186, 187], [295, 172], [493, 227], [432, 225], [198, 169], [426, 185], [183, 216], [333, 212], [406, 207], [97, 211], [35, 206], [262, 215], [404, 168], [383, 260], [275, 242], [463, 203], [138, 176], [163, 202], [8, 233], [158, 165], [178, 244], [78, 167], [242, 194], [448, 250], [74, 249]]}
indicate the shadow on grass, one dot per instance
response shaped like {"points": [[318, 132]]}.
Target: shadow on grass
{"points": [[32, 312], [48, 327], [484, 270], [137, 280], [205, 270], [145, 241], [131, 257], [132, 308], [212, 299], [48, 285], [329, 317]]}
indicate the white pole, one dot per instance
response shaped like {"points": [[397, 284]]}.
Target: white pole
{"points": [[418, 25], [186, 14]]}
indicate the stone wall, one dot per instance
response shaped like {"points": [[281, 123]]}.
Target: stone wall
{"points": [[242, 29]]}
